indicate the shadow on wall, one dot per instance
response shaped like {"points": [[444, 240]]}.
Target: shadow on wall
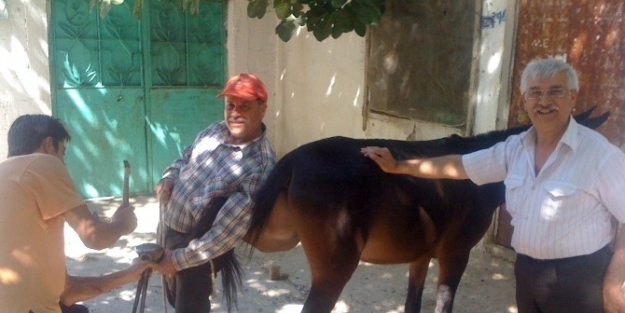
{"points": [[24, 73]]}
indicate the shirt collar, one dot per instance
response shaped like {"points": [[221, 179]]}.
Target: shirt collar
{"points": [[569, 138]]}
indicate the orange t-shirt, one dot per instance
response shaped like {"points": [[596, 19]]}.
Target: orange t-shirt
{"points": [[35, 191]]}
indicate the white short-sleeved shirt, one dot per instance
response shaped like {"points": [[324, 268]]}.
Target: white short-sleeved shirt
{"points": [[566, 209]]}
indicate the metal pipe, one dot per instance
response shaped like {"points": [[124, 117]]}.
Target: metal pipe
{"points": [[125, 189]]}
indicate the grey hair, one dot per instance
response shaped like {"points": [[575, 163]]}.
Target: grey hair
{"points": [[545, 68]]}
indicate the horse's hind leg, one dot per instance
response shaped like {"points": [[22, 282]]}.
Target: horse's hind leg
{"points": [[333, 258], [418, 272], [329, 276], [451, 268]]}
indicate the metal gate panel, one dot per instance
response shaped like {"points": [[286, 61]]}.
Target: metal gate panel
{"points": [[173, 127], [106, 128], [187, 71], [122, 85], [98, 93]]}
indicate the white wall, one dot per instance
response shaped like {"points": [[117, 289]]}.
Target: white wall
{"points": [[24, 71], [321, 87], [322, 90]]}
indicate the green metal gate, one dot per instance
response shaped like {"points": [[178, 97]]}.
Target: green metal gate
{"points": [[136, 90]]}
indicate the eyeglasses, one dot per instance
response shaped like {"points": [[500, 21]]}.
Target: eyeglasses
{"points": [[552, 93]]}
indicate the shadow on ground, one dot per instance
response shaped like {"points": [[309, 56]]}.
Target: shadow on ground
{"points": [[487, 286]]}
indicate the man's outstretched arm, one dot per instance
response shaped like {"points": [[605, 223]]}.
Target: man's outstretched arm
{"points": [[78, 288], [444, 167]]}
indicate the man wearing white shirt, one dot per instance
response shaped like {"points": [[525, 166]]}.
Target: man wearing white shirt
{"points": [[564, 183]]}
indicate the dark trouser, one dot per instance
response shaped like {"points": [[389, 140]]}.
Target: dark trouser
{"points": [[74, 308], [193, 289], [193, 286], [561, 285]]}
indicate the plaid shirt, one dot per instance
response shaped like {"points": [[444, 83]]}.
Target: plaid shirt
{"points": [[210, 169]]}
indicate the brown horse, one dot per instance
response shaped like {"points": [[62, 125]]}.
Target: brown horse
{"points": [[343, 209]]}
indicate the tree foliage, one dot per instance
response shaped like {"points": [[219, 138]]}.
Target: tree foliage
{"points": [[324, 18]]}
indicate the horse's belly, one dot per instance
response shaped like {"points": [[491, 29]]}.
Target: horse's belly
{"points": [[393, 252], [397, 238], [381, 256]]}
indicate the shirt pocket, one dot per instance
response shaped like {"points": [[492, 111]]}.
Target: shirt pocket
{"points": [[515, 193], [558, 195]]}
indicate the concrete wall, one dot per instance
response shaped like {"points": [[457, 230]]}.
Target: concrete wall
{"points": [[24, 72]]}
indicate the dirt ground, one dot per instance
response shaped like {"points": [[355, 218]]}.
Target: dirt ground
{"points": [[487, 285]]}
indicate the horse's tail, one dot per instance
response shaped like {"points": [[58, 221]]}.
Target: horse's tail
{"points": [[231, 279], [227, 263], [265, 198]]}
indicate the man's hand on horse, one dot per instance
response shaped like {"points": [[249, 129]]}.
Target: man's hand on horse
{"points": [[381, 156], [166, 265], [163, 190]]}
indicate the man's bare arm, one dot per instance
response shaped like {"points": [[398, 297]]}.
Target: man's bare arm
{"points": [[444, 167], [96, 234], [79, 288]]}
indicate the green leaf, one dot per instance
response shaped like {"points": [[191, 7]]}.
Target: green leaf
{"points": [[283, 8], [338, 3], [312, 19], [297, 10], [323, 28], [285, 29], [367, 11], [257, 8], [360, 29], [341, 23]]}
